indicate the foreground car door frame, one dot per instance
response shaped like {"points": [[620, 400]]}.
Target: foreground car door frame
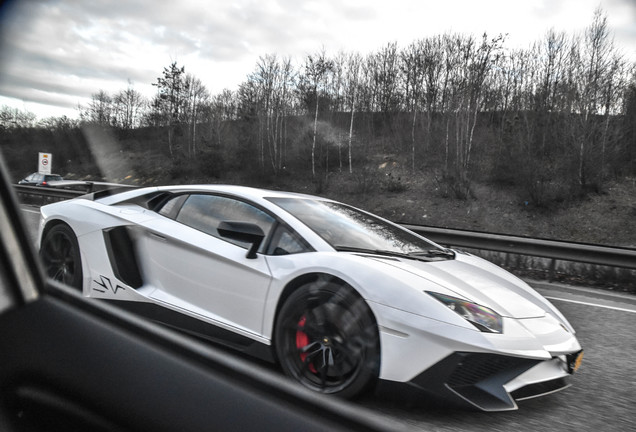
{"points": [[72, 363]]}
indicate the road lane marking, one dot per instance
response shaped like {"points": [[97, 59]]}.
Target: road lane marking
{"points": [[31, 211], [591, 304]]}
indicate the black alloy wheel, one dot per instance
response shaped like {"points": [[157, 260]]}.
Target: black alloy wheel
{"points": [[327, 339], [60, 256]]}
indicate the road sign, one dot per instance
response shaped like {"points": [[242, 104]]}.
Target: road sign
{"points": [[44, 163]]}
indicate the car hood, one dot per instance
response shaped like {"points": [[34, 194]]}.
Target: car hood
{"points": [[477, 280]]}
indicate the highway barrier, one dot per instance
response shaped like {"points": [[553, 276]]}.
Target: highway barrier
{"points": [[552, 249]]}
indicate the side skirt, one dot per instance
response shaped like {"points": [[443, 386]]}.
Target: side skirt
{"points": [[198, 329]]}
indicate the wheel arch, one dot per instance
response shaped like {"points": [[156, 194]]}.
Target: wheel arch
{"points": [[50, 224], [367, 371], [301, 280]]}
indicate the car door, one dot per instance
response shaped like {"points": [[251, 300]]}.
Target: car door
{"points": [[193, 269]]}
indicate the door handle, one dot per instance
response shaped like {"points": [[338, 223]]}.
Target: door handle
{"points": [[157, 236]]}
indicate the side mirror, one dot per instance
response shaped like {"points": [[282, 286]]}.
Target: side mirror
{"points": [[244, 232]]}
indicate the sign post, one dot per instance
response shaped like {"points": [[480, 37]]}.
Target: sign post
{"points": [[44, 163]]}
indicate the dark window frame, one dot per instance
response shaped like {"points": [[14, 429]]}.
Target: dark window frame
{"points": [[266, 247]]}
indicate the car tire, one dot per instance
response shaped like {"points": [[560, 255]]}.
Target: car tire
{"points": [[60, 256], [327, 339]]}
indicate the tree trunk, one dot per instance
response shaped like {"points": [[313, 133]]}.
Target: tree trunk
{"points": [[413, 140], [313, 145], [351, 138]]}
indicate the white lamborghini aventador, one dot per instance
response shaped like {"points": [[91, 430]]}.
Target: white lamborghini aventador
{"points": [[337, 296]]}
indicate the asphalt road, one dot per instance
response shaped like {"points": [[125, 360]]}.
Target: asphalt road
{"points": [[602, 397]]}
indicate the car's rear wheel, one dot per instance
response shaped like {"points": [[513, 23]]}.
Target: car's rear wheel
{"points": [[60, 256], [327, 339]]}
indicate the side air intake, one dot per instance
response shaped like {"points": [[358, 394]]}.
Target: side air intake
{"points": [[123, 256]]}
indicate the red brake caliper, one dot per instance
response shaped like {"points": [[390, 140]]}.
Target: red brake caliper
{"points": [[302, 340]]}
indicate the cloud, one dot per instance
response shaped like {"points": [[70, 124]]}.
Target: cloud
{"points": [[81, 47]]}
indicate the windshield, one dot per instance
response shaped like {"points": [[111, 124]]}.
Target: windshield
{"points": [[347, 228]]}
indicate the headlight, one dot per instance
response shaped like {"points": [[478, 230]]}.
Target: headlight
{"points": [[485, 319]]}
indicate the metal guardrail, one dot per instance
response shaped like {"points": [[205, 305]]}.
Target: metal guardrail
{"points": [[65, 190], [550, 249], [45, 195]]}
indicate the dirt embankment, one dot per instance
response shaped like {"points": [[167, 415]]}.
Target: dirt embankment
{"points": [[607, 218]]}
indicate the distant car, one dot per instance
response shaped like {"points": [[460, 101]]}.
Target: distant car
{"points": [[337, 296], [37, 179]]}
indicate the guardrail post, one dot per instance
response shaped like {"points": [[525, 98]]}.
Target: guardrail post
{"points": [[552, 270]]}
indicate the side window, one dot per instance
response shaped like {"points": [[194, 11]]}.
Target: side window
{"points": [[285, 242], [171, 208], [205, 212]]}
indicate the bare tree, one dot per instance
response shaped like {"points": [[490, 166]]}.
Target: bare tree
{"points": [[272, 81], [284, 102], [387, 77], [352, 85], [196, 95], [317, 68], [336, 89], [468, 64], [13, 117], [412, 61], [127, 108], [99, 109], [222, 109]]}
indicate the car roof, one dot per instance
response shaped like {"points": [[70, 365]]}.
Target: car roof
{"points": [[245, 191], [254, 194]]}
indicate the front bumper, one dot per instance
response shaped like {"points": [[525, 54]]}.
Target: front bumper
{"points": [[487, 371], [492, 382]]}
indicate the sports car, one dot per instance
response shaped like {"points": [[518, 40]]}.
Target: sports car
{"points": [[338, 297]]}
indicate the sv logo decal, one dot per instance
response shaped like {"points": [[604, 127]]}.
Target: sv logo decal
{"points": [[107, 285]]}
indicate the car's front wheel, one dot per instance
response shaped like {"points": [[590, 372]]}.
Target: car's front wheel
{"points": [[60, 256], [327, 339]]}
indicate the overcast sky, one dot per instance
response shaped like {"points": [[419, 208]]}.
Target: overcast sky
{"points": [[56, 53]]}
